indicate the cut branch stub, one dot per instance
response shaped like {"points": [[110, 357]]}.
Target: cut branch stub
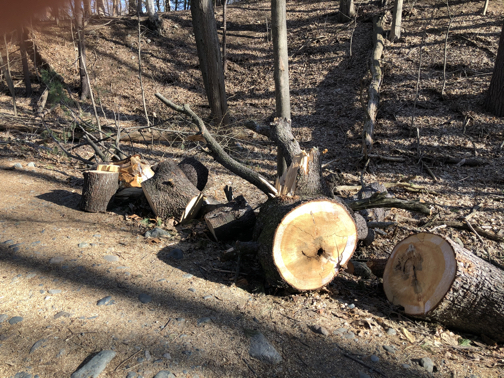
{"points": [[306, 247], [435, 278]]}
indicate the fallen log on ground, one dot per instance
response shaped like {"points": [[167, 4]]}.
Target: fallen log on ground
{"points": [[380, 199], [169, 192], [98, 189], [434, 278], [195, 171], [232, 221]]}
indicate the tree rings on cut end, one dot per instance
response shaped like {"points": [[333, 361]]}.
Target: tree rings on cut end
{"points": [[311, 243], [419, 273]]}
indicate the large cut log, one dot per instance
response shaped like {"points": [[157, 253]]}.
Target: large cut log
{"points": [[195, 171], [169, 191], [99, 188], [232, 221], [303, 243], [434, 278]]}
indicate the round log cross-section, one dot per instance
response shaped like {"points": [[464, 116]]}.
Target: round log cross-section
{"points": [[435, 278], [311, 242]]}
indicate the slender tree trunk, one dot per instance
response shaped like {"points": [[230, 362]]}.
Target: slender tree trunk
{"points": [[281, 64], [347, 10], [176, 5], [139, 7], [87, 9], [151, 11], [494, 101], [79, 22], [100, 8], [207, 44], [224, 22], [24, 60], [167, 6], [6, 72], [395, 31]]}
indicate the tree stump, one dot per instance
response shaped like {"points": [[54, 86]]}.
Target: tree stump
{"points": [[232, 221], [434, 278], [304, 242], [169, 191], [99, 188]]}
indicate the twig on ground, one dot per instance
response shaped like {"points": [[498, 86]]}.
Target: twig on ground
{"points": [[360, 362]]}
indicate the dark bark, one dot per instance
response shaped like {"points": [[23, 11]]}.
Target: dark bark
{"points": [[347, 10], [494, 101], [207, 44], [6, 72], [98, 189], [232, 221], [224, 32], [79, 22], [24, 60], [195, 171], [169, 191]]}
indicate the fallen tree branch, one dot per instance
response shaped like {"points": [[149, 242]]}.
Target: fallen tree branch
{"points": [[380, 200], [465, 226], [218, 152]]}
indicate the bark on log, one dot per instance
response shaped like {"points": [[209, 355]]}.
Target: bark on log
{"points": [[232, 221], [374, 86], [381, 200], [434, 278], [304, 242], [169, 191], [98, 190], [375, 214], [195, 171]]}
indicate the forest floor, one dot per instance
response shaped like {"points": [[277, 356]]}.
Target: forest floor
{"points": [[57, 262]]}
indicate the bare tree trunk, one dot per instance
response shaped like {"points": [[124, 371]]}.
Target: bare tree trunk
{"points": [[494, 101], [100, 8], [395, 31], [79, 21], [347, 10], [224, 21], [176, 5], [114, 8], [87, 8], [207, 43], [24, 60], [6, 72], [485, 7], [281, 64], [167, 6]]}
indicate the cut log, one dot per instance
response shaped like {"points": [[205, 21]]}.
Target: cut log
{"points": [[434, 278], [99, 188], [303, 243], [169, 191], [195, 171], [232, 221]]}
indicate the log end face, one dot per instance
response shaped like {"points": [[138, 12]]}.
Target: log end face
{"points": [[312, 242], [419, 273]]}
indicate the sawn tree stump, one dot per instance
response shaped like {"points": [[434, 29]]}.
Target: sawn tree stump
{"points": [[169, 191], [303, 243], [99, 188], [435, 278]]}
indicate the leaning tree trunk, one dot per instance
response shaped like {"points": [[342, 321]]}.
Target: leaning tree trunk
{"points": [[207, 44], [494, 101], [435, 278]]}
